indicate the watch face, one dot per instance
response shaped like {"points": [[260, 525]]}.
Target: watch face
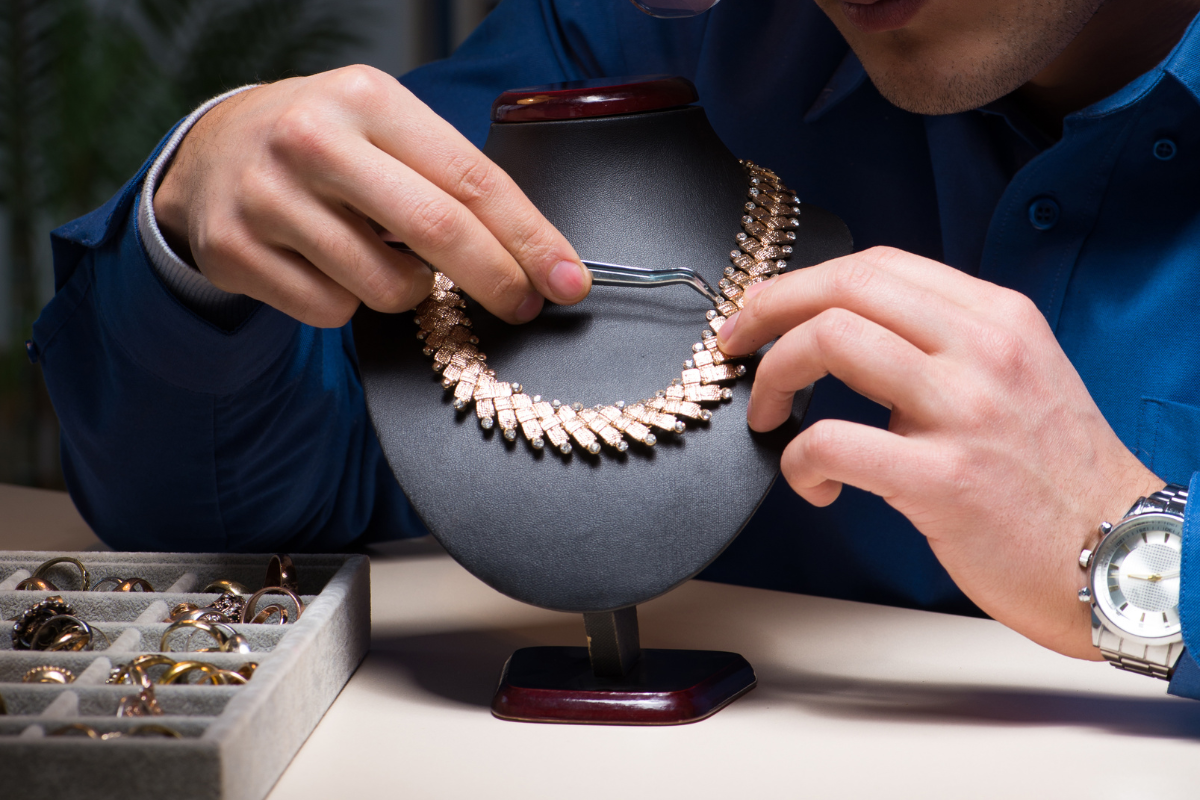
{"points": [[1135, 577]]}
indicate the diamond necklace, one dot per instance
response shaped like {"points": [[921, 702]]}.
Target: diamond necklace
{"points": [[772, 212]]}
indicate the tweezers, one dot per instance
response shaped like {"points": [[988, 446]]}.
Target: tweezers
{"points": [[619, 275]]}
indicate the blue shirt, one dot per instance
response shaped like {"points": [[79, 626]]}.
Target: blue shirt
{"points": [[179, 435]]}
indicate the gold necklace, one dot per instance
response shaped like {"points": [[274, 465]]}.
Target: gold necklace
{"points": [[763, 249]]}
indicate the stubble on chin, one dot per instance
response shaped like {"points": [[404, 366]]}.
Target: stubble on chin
{"points": [[933, 71], [939, 85]]}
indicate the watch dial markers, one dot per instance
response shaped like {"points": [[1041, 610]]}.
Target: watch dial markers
{"points": [[1137, 573]]}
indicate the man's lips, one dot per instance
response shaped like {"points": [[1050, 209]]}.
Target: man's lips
{"points": [[874, 16]]}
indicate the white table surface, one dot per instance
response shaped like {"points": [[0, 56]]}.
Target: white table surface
{"points": [[853, 700]]}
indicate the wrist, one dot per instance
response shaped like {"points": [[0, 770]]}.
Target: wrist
{"points": [[176, 185], [1106, 506]]}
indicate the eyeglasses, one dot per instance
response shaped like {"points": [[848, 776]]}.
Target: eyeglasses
{"points": [[673, 9]]}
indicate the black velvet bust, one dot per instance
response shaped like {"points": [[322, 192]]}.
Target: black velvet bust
{"points": [[593, 533]]}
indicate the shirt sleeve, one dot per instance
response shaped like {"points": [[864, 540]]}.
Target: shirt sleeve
{"points": [[1185, 682], [179, 434]]}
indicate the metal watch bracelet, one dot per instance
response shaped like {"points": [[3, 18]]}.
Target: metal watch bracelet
{"points": [[1172, 499], [1155, 661]]}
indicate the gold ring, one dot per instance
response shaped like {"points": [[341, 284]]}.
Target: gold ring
{"points": [[3, 706], [269, 611], [32, 618], [142, 704], [247, 670], [76, 728], [36, 585], [179, 671], [226, 587], [180, 610], [199, 615], [138, 670], [48, 674], [228, 640], [229, 677], [84, 575], [78, 636], [154, 730], [71, 641], [248, 611], [61, 632], [131, 584], [229, 605], [281, 572], [124, 584]]}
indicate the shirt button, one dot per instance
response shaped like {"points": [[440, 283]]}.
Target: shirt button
{"points": [[1164, 149], [1043, 213]]}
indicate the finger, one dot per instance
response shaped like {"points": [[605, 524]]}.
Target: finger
{"points": [[925, 317], [929, 274], [280, 278], [439, 228], [864, 355], [344, 246], [436, 150], [833, 452]]}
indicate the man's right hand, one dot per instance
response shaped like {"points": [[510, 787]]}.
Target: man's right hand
{"points": [[280, 192]]}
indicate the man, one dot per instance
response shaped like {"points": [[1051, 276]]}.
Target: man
{"points": [[1013, 367]]}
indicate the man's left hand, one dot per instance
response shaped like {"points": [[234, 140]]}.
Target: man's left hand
{"points": [[995, 450]]}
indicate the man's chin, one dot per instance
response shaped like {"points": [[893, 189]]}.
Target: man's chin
{"points": [[936, 95]]}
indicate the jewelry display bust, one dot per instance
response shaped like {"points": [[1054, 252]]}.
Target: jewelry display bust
{"points": [[584, 532], [655, 189]]}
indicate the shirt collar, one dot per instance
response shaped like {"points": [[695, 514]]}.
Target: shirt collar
{"points": [[1182, 63], [846, 78]]}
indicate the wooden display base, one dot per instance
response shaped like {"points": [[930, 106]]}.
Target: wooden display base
{"points": [[663, 687]]}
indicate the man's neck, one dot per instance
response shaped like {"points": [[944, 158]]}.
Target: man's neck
{"points": [[1125, 39]]}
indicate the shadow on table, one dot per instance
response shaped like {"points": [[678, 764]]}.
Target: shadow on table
{"points": [[462, 666], [941, 704]]}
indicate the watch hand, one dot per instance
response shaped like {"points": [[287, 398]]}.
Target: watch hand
{"points": [[1155, 577]]}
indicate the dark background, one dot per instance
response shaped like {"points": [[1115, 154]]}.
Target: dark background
{"points": [[87, 87]]}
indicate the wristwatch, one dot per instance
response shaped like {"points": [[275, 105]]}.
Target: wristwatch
{"points": [[1133, 585]]}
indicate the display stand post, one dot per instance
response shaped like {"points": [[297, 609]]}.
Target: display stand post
{"points": [[613, 646], [614, 682]]}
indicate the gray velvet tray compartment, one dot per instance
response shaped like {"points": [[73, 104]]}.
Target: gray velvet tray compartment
{"points": [[237, 739]]}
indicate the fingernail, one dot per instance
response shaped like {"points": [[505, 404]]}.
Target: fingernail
{"points": [[727, 329], [530, 307], [754, 289], [567, 280]]}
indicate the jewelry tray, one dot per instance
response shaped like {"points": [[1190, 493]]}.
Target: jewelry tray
{"points": [[236, 740]]}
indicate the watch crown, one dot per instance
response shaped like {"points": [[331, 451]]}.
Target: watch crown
{"points": [[1085, 559], [1085, 595], [1105, 528]]}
